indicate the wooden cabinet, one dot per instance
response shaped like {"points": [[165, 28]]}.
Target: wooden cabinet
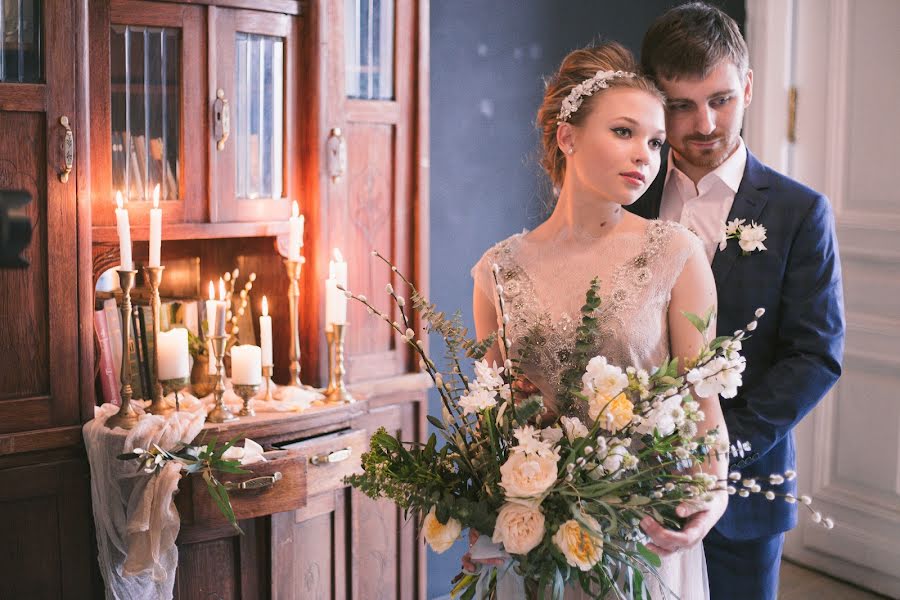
{"points": [[38, 307], [326, 105]]}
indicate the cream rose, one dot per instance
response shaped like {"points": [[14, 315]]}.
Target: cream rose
{"points": [[582, 548], [526, 475], [613, 414], [519, 528], [439, 536]]}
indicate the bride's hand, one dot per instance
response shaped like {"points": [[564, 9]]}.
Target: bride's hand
{"points": [[471, 565], [523, 388], [699, 517]]}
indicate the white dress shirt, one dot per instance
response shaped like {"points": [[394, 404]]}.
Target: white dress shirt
{"points": [[703, 208]]}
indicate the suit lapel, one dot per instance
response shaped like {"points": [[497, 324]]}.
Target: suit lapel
{"points": [[748, 204]]}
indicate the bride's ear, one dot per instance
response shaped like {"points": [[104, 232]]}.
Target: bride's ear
{"points": [[565, 138]]}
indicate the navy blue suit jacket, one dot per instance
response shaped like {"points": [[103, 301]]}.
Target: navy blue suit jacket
{"points": [[794, 356]]}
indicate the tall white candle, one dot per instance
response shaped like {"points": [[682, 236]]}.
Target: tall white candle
{"points": [[265, 333], [246, 365], [220, 310], [337, 268], [155, 228], [295, 239], [124, 232], [335, 303], [211, 327], [335, 300], [173, 354]]}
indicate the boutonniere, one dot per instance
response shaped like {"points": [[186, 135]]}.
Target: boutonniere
{"points": [[750, 237]]}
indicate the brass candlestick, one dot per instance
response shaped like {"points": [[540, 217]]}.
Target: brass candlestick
{"points": [[246, 392], [158, 405], [294, 267], [126, 418], [337, 391], [267, 381], [220, 413], [174, 386], [329, 338]]}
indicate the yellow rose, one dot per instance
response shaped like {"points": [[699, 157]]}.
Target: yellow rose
{"points": [[582, 548], [613, 414], [526, 475], [519, 528], [439, 536]]}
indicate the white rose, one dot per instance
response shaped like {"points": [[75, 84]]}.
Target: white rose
{"points": [[519, 528], [573, 427], [527, 475], [551, 434], [582, 548], [440, 536], [752, 238]]}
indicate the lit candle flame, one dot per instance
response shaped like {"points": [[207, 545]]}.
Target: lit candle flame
{"points": [[221, 289], [119, 201], [295, 210], [337, 255], [212, 290], [156, 196], [265, 307]]}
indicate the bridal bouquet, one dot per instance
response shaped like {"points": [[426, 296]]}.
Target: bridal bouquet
{"points": [[564, 498]]}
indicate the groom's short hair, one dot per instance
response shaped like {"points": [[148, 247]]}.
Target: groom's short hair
{"points": [[690, 40]]}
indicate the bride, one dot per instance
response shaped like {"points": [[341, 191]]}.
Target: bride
{"points": [[602, 128]]}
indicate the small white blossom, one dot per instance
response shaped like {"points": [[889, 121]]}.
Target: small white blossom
{"points": [[770, 495], [760, 312], [829, 524], [817, 517], [389, 289], [805, 499], [751, 326]]}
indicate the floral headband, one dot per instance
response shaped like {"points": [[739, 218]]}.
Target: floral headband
{"points": [[587, 88]]}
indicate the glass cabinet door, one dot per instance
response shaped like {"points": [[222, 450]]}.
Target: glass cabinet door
{"points": [[20, 36], [152, 134], [369, 49], [252, 116]]}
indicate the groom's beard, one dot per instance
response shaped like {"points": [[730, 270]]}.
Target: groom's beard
{"points": [[707, 158]]}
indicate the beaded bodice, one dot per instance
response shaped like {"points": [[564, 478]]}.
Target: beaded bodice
{"points": [[544, 286]]}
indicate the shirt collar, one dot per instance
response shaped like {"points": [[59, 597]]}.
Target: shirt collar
{"points": [[730, 172]]}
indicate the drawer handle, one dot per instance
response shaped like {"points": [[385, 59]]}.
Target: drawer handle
{"points": [[331, 457], [257, 483]]}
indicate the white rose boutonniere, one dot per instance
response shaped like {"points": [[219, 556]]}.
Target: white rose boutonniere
{"points": [[750, 237]]}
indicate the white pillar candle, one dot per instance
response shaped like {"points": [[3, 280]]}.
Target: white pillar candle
{"points": [[211, 328], [335, 303], [265, 334], [173, 354], [246, 365], [295, 239], [335, 300], [124, 232], [155, 228]]}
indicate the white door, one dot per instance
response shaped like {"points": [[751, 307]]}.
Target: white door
{"points": [[843, 58]]}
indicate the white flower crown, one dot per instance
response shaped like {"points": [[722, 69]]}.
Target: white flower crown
{"points": [[587, 88]]}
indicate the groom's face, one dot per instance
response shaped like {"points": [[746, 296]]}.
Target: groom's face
{"points": [[704, 115]]}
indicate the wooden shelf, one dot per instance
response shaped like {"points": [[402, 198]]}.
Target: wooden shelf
{"points": [[196, 231]]}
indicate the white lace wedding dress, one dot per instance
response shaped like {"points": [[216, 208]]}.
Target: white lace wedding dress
{"points": [[545, 282]]}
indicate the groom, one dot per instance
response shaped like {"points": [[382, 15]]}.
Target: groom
{"points": [[698, 57]]}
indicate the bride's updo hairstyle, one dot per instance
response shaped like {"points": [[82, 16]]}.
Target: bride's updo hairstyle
{"points": [[576, 68]]}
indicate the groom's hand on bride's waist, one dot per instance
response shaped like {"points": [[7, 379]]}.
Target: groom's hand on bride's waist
{"points": [[699, 518]]}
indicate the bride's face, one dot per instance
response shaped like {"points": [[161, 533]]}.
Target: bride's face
{"points": [[617, 148]]}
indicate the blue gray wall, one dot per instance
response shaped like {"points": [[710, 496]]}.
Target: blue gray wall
{"points": [[488, 59]]}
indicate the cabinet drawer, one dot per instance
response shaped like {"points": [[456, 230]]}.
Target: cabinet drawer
{"points": [[274, 486], [330, 458]]}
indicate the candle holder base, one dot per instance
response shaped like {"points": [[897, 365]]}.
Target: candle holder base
{"points": [[126, 418], [158, 406], [174, 386], [246, 392], [221, 414]]}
